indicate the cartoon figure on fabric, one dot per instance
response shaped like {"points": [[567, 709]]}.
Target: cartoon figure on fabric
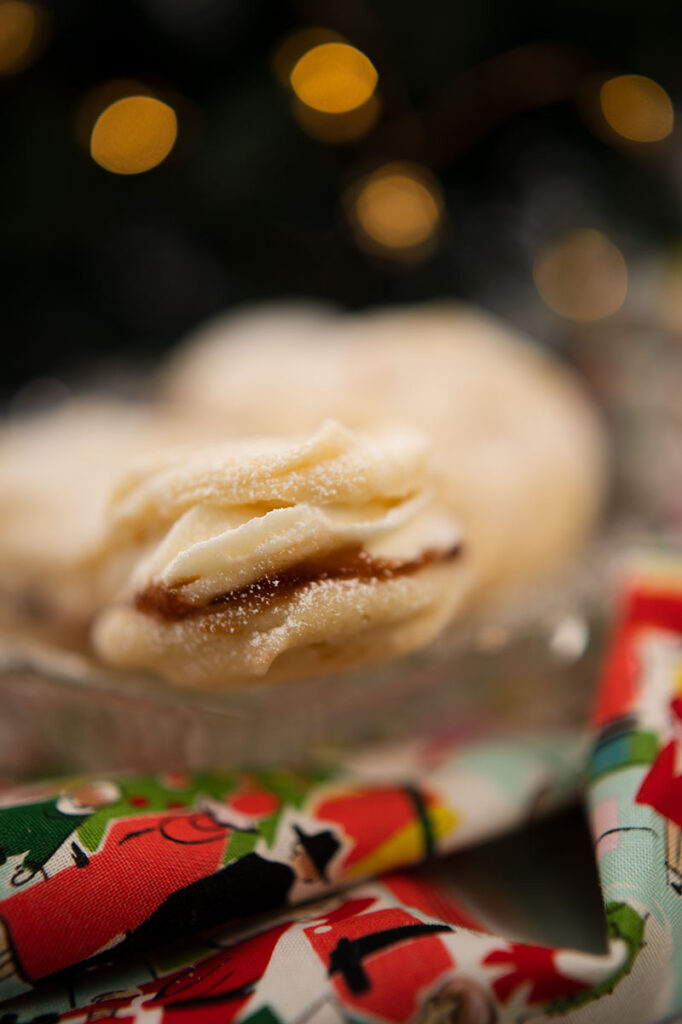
{"points": [[193, 889], [38, 830], [250, 885], [662, 790]]}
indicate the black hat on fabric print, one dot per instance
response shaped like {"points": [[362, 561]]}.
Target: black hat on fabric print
{"points": [[320, 847]]}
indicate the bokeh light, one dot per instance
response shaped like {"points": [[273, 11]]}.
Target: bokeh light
{"points": [[338, 128], [23, 30], [133, 135], [397, 210], [334, 78], [295, 44], [102, 96], [637, 108], [582, 276]]}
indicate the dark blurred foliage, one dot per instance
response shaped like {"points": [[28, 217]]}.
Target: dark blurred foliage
{"points": [[247, 206]]}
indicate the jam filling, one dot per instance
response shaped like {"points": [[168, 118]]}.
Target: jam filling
{"points": [[166, 602]]}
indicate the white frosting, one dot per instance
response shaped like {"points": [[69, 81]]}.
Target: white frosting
{"points": [[343, 490]]}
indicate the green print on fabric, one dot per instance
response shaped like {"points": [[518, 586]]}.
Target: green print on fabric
{"points": [[286, 789], [239, 844], [153, 795], [35, 830], [623, 922], [176, 791]]}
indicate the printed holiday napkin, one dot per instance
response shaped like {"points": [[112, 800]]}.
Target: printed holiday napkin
{"points": [[284, 897]]}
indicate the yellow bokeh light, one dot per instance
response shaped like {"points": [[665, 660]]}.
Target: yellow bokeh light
{"points": [[346, 127], [334, 78], [397, 209], [637, 108], [133, 135], [99, 98], [582, 276], [22, 33], [292, 47]]}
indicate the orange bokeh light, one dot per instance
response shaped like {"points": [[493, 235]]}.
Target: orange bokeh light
{"points": [[334, 78], [637, 108], [133, 135], [582, 276], [397, 210], [23, 29]]}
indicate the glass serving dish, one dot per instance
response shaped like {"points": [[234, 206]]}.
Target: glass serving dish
{"points": [[527, 661]]}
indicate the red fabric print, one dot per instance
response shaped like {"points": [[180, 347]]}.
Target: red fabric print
{"points": [[535, 964], [662, 786], [143, 860], [381, 961], [255, 803], [619, 689], [369, 817]]}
